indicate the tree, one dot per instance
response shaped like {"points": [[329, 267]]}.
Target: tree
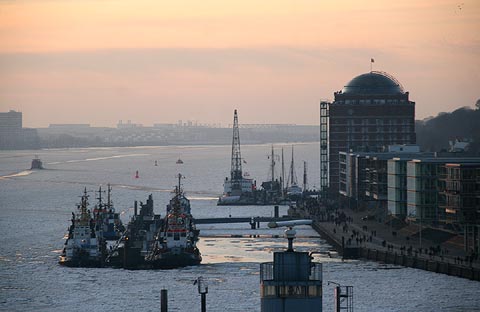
{"points": [[477, 105]]}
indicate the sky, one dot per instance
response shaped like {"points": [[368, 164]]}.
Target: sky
{"points": [[154, 61]]}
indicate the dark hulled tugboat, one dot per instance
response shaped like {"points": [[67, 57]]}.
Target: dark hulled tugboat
{"points": [[175, 244], [82, 247], [108, 224], [136, 242]]}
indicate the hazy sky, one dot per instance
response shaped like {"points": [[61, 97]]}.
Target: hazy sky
{"points": [[152, 61]]}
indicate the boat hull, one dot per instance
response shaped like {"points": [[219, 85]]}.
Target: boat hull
{"points": [[80, 262], [172, 261]]}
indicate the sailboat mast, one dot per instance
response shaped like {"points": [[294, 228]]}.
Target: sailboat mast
{"points": [[236, 164], [293, 178], [304, 176], [272, 167], [283, 175]]}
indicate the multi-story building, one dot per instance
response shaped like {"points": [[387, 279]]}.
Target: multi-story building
{"points": [[371, 112], [427, 185], [461, 189], [13, 136], [364, 176]]}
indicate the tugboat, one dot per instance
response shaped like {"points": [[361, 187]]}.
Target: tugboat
{"points": [[82, 247], [108, 224], [175, 244], [36, 163], [136, 242]]}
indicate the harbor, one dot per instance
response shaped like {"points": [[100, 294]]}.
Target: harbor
{"points": [[231, 255]]}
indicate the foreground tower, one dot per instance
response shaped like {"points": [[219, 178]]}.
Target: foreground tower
{"points": [[292, 282]]}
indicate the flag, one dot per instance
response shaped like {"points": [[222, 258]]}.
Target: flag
{"points": [[372, 60]]}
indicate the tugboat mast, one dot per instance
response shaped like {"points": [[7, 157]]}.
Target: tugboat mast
{"points": [[179, 187], [109, 201], [236, 164]]}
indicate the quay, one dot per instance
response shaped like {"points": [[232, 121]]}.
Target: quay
{"points": [[390, 247]]}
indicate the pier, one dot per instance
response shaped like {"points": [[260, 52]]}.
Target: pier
{"points": [[242, 220], [354, 240]]}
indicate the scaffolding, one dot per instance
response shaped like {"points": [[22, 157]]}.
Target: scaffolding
{"points": [[324, 116]]}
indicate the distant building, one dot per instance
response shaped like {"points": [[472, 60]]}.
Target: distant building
{"points": [[13, 135], [10, 121], [128, 125], [69, 126], [371, 112]]}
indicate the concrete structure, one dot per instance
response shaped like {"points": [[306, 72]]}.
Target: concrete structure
{"points": [[372, 111]]}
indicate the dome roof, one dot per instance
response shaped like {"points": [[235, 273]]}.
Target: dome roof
{"points": [[373, 83]]}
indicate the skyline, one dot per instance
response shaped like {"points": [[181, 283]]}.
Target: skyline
{"points": [[99, 62]]}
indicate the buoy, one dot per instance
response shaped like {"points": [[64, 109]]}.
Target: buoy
{"points": [[136, 175], [156, 163]]}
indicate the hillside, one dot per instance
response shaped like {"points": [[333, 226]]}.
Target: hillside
{"points": [[464, 123]]}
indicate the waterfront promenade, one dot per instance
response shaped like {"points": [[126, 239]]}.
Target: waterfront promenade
{"points": [[356, 236]]}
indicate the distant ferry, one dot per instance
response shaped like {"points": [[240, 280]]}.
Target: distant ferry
{"points": [[36, 163]]}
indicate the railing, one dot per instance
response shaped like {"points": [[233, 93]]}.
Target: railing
{"points": [[267, 272]]}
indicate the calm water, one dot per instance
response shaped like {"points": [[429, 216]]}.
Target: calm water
{"points": [[35, 208]]}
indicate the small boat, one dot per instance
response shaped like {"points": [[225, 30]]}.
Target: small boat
{"points": [[36, 163], [82, 247], [179, 161]]}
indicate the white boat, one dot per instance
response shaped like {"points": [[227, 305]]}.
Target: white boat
{"points": [[82, 248]]}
